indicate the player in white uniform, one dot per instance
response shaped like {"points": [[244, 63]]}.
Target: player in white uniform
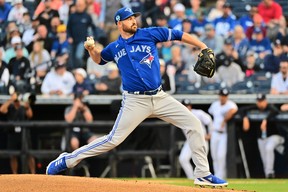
{"points": [[186, 153], [222, 111]]}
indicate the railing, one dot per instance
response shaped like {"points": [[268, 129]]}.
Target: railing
{"points": [[98, 127]]}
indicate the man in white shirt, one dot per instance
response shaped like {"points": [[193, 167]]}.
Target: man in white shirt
{"points": [[279, 83], [222, 110], [58, 82]]}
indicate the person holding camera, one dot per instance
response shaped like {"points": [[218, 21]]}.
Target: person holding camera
{"points": [[16, 110], [79, 112]]}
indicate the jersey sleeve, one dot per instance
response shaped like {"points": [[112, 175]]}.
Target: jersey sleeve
{"points": [[162, 34], [106, 55]]}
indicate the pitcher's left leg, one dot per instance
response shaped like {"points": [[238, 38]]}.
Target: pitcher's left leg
{"points": [[172, 111]]}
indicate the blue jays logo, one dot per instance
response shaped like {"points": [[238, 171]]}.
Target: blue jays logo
{"points": [[148, 59], [128, 9]]}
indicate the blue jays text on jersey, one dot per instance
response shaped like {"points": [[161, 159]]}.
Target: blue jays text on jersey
{"points": [[137, 57]]}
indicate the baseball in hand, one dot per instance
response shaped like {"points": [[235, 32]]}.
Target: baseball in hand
{"points": [[90, 41]]}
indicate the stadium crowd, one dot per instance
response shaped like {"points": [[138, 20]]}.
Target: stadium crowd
{"points": [[42, 44]]}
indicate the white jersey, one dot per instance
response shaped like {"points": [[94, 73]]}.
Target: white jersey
{"points": [[278, 83], [219, 111], [205, 119]]}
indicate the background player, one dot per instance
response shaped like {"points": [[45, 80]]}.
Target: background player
{"points": [[186, 153], [135, 54], [222, 110]]}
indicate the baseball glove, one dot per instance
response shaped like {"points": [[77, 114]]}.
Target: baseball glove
{"points": [[206, 64]]}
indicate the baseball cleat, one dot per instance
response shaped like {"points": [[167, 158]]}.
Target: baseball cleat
{"points": [[57, 165], [210, 180]]}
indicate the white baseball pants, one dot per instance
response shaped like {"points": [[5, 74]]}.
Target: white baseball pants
{"points": [[135, 109]]}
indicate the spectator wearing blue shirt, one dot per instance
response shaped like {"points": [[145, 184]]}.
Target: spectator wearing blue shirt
{"points": [[272, 61], [225, 25], [199, 23], [82, 86], [60, 46], [176, 19], [261, 45], [240, 42], [4, 11], [187, 26], [247, 20]]}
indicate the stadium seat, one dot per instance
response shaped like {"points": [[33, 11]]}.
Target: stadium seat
{"points": [[243, 87], [184, 86], [212, 88]]}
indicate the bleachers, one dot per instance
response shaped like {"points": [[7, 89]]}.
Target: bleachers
{"points": [[239, 6]]}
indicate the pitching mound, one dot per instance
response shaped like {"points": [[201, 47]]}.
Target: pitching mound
{"points": [[44, 183]]}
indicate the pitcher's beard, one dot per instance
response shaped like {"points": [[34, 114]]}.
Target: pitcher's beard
{"points": [[130, 30]]}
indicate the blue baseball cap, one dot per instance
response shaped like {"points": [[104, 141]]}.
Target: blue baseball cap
{"points": [[124, 13]]}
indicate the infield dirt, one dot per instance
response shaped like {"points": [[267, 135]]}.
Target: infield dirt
{"points": [[44, 183]]}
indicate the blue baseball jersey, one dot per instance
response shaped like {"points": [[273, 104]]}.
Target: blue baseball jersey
{"points": [[137, 57]]}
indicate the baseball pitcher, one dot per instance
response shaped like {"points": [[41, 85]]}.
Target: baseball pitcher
{"points": [[135, 54]]}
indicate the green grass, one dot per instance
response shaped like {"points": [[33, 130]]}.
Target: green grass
{"points": [[257, 185]]}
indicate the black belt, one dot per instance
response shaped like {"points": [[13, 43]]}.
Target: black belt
{"points": [[151, 92]]}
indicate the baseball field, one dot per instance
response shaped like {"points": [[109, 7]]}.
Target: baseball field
{"points": [[44, 183]]}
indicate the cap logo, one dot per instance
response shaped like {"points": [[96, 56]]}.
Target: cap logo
{"points": [[117, 18], [129, 10]]}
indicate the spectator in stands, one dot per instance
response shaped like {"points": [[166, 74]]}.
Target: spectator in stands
{"points": [[10, 53], [19, 66], [261, 45], [64, 11], [284, 43], [54, 23], [222, 111], [47, 14], [41, 34], [109, 84], [4, 73], [216, 11], [4, 11], [257, 24], [279, 83], [95, 72], [251, 66], [16, 110], [212, 40], [187, 26], [284, 107], [186, 154], [268, 137], [195, 9], [225, 24], [82, 85], [240, 42], [176, 19], [28, 34], [54, 4], [164, 50], [168, 79], [162, 20], [272, 61], [189, 56], [60, 46], [272, 14], [246, 21], [176, 61], [230, 52], [198, 26], [26, 23], [40, 60], [17, 12], [229, 72], [58, 82], [79, 112], [79, 20]]}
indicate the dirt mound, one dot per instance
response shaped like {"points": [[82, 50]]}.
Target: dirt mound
{"points": [[44, 183]]}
